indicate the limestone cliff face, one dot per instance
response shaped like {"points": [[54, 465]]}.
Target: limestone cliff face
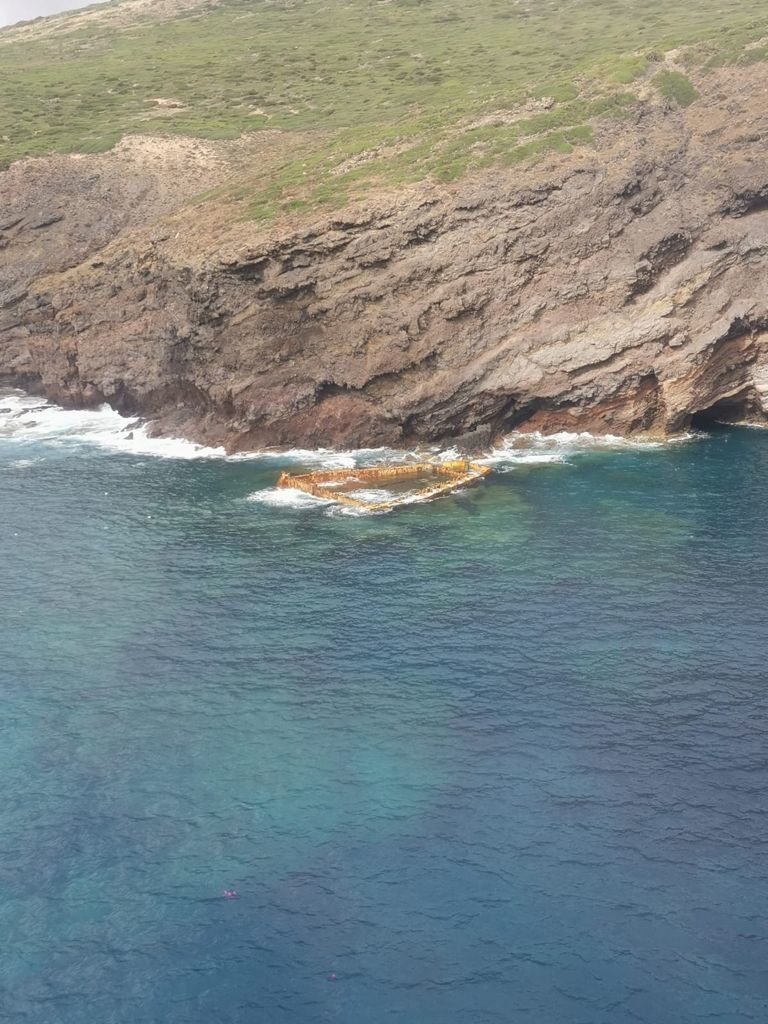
{"points": [[620, 289]]}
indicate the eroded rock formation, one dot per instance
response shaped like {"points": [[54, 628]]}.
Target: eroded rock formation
{"points": [[619, 289]]}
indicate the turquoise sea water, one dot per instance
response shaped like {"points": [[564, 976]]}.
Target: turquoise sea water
{"points": [[501, 758]]}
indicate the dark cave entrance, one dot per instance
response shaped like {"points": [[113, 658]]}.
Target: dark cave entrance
{"points": [[728, 410]]}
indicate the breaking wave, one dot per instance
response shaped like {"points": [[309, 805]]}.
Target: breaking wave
{"points": [[288, 497], [25, 419], [519, 448]]}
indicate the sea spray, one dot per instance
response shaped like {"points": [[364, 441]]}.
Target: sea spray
{"points": [[288, 497], [24, 418]]}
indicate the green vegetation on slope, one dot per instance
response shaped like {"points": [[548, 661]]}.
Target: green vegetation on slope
{"points": [[676, 86], [380, 85]]}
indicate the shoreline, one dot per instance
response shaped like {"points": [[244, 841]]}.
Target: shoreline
{"points": [[105, 427]]}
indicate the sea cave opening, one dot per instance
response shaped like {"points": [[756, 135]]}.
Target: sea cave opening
{"points": [[736, 409]]}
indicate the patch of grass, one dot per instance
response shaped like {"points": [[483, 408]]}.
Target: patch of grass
{"points": [[754, 55], [554, 142], [560, 92], [625, 70], [674, 85]]}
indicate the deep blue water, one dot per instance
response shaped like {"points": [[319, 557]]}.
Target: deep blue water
{"points": [[501, 758]]}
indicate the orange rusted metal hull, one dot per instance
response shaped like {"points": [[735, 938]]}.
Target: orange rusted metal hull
{"points": [[450, 476]]}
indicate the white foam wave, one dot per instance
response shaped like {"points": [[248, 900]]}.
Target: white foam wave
{"points": [[288, 497], [326, 458], [520, 449], [373, 494], [25, 419]]}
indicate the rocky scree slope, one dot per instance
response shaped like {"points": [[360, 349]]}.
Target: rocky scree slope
{"points": [[620, 288]]}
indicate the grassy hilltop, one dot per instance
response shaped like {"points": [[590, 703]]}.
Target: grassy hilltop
{"points": [[385, 91]]}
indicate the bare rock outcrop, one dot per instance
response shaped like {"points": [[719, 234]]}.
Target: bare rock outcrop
{"points": [[618, 289]]}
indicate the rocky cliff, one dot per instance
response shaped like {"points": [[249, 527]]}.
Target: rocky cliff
{"points": [[620, 288]]}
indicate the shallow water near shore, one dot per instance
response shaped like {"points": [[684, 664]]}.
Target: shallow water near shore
{"points": [[496, 758]]}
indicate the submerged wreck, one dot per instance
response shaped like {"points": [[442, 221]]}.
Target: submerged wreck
{"points": [[431, 480]]}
